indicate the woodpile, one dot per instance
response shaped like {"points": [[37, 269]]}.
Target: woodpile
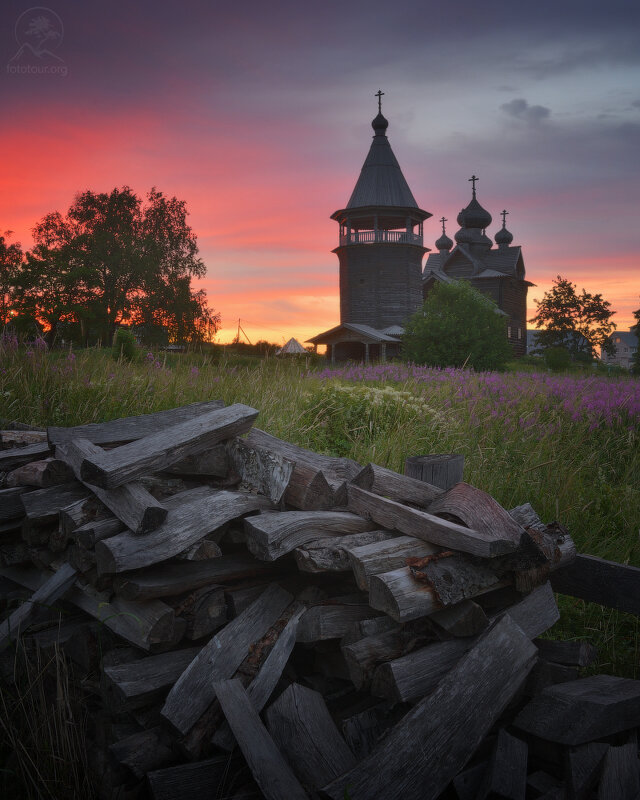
{"points": [[247, 618]]}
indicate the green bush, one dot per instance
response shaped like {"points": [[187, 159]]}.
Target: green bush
{"points": [[557, 358], [124, 345], [458, 326]]}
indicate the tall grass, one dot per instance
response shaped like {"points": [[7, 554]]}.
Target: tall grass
{"points": [[566, 444]]}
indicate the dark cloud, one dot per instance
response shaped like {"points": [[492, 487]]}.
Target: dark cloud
{"points": [[520, 109]]}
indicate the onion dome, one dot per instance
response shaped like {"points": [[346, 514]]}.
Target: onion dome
{"points": [[474, 216], [472, 236], [444, 242], [504, 237], [380, 125]]}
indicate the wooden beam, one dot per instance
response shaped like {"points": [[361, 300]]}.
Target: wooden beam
{"points": [[506, 776], [47, 472], [267, 472], [440, 470], [17, 456], [385, 556], [330, 554], [159, 450], [400, 488], [425, 750], [598, 581]]}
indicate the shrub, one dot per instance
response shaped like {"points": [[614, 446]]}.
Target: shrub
{"points": [[124, 345], [557, 358]]}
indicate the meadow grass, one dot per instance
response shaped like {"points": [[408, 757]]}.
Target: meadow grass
{"points": [[568, 444]]}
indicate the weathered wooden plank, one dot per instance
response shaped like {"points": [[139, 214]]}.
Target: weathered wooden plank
{"points": [[159, 450], [599, 581], [43, 505], [454, 577], [135, 684], [506, 776], [166, 580], [425, 750], [193, 692], [262, 686], [463, 619], [400, 488], [526, 516], [17, 456], [270, 771], [430, 528], [91, 532], [74, 516], [317, 481], [536, 612], [264, 470], [41, 474], [620, 777], [184, 526], [442, 470], [304, 732], [211, 463], [331, 619], [47, 594], [143, 752], [132, 504], [580, 711], [579, 653], [204, 610], [10, 503], [385, 556], [20, 438], [546, 673], [200, 551], [583, 766], [128, 429], [400, 596], [272, 535], [330, 554]]}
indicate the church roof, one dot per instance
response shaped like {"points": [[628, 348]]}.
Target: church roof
{"points": [[367, 332], [291, 348], [381, 182]]}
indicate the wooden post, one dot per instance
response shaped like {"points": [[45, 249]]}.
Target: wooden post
{"points": [[383, 351], [366, 352], [443, 470]]}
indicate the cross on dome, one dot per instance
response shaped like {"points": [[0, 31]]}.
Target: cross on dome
{"points": [[504, 213], [473, 180], [379, 94]]}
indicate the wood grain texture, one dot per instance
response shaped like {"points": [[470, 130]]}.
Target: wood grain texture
{"points": [[43, 505], [620, 777], [374, 558], [441, 470], [270, 771], [424, 751], [17, 456], [159, 450], [128, 429], [455, 577], [583, 766], [193, 692], [211, 463], [425, 526], [330, 554], [304, 732], [331, 620], [40, 474], [400, 488], [599, 581], [273, 535], [10, 503], [265, 471], [400, 596], [506, 776], [183, 526]]}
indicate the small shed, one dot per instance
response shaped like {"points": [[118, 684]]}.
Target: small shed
{"points": [[292, 348]]}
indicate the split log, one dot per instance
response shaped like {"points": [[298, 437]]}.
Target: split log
{"points": [[537, 612], [424, 751], [211, 463], [363, 731], [91, 532], [20, 438], [159, 450], [463, 619], [572, 654], [454, 577], [17, 456], [204, 610], [202, 779], [442, 471], [240, 598], [272, 535], [583, 766], [317, 481], [144, 751], [304, 732], [200, 551], [10, 503], [262, 686], [468, 782], [81, 558], [135, 684], [270, 771], [265, 471], [132, 504], [546, 673], [128, 429], [43, 505], [428, 527], [41, 474], [580, 711], [168, 580], [598, 581], [74, 516], [193, 692], [400, 488], [506, 776], [620, 774], [47, 594], [385, 556], [400, 596], [183, 527], [12, 553], [330, 554], [526, 516], [331, 619]]}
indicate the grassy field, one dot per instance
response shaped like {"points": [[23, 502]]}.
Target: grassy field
{"points": [[568, 444]]}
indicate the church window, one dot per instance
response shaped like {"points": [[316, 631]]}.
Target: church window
{"points": [[509, 331]]}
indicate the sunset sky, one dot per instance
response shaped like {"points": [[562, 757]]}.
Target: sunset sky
{"points": [[258, 114]]}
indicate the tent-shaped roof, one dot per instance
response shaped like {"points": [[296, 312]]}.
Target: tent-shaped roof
{"points": [[291, 348]]}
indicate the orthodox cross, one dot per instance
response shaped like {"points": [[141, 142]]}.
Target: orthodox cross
{"points": [[443, 220], [473, 180], [504, 213], [379, 95]]}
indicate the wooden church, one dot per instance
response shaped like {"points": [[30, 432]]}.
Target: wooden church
{"points": [[380, 253]]}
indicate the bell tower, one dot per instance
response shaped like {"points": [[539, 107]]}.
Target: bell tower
{"points": [[381, 241]]}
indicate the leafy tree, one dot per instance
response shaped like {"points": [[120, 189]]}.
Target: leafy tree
{"points": [[10, 260], [635, 361], [579, 322], [456, 326], [113, 259]]}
